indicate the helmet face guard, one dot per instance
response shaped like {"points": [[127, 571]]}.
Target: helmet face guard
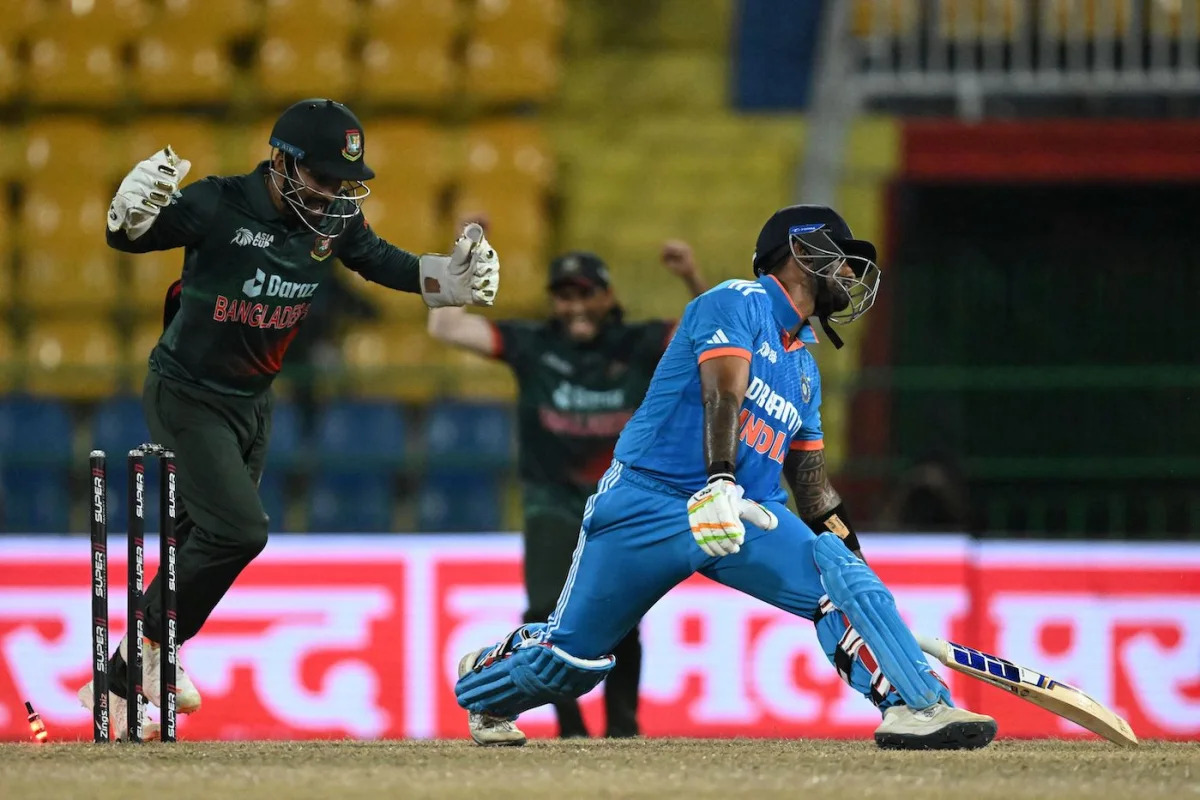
{"points": [[343, 206], [819, 255]]}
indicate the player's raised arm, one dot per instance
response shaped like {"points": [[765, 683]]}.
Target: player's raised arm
{"points": [[455, 326], [678, 259], [149, 212]]}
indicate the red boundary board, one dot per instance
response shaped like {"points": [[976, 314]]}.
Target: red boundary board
{"points": [[1051, 151]]}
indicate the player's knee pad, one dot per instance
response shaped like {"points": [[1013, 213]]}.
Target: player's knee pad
{"points": [[524, 672], [854, 589]]}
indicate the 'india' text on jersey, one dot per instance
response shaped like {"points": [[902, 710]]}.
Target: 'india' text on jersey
{"points": [[781, 409]]}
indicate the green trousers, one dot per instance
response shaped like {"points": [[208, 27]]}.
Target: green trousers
{"points": [[220, 445], [550, 538]]}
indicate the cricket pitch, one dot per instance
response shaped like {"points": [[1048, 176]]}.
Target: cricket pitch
{"points": [[651, 768]]}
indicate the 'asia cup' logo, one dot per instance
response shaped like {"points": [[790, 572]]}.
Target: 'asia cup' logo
{"points": [[353, 149]]}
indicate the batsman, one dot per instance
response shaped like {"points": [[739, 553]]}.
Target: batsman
{"points": [[694, 486], [257, 250]]}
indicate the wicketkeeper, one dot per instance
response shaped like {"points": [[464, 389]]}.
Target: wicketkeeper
{"points": [[257, 250]]}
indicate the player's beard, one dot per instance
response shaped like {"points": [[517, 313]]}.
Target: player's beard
{"points": [[832, 297]]}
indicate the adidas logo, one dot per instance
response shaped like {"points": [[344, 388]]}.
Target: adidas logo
{"points": [[719, 338]]}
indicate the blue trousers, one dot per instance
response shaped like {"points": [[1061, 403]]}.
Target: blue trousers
{"points": [[636, 544]]}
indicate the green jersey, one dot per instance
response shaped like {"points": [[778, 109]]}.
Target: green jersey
{"points": [[250, 274], [573, 401]]}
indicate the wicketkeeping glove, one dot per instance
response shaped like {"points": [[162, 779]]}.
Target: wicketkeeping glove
{"points": [[716, 513], [470, 275], [146, 190]]}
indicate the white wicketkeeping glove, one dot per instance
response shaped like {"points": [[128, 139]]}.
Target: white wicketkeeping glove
{"points": [[146, 190], [716, 513], [470, 275]]}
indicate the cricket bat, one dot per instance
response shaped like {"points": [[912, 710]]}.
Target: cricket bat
{"points": [[1054, 696]]}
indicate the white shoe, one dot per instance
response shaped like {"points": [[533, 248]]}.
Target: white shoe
{"points": [[118, 719], [486, 729], [938, 727], [187, 696]]}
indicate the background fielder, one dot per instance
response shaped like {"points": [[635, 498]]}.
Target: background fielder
{"points": [[695, 486], [257, 249]]}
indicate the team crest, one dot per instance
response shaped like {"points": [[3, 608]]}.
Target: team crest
{"points": [[322, 248], [805, 388], [353, 149]]}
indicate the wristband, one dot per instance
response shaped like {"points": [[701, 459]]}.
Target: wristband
{"points": [[837, 521], [720, 469]]}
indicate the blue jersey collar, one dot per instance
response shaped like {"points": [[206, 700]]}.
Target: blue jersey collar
{"points": [[786, 314]]}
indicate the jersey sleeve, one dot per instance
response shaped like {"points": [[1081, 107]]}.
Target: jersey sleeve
{"points": [[810, 436], [182, 223], [514, 342], [376, 259], [721, 323]]}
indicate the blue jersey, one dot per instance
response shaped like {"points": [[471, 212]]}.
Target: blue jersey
{"points": [[781, 411]]}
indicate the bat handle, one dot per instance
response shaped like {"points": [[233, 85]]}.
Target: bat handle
{"points": [[932, 645]]}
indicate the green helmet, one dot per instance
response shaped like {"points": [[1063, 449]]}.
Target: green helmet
{"points": [[325, 138]]}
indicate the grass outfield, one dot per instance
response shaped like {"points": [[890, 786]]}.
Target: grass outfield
{"points": [[652, 768]]}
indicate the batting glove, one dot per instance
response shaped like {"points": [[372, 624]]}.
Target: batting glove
{"points": [[470, 275], [145, 191], [716, 513]]}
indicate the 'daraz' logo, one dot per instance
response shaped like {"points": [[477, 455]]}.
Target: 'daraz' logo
{"points": [[254, 286]]}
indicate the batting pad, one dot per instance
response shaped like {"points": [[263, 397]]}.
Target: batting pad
{"points": [[858, 593], [528, 677]]}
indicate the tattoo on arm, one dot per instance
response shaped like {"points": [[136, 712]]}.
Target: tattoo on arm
{"points": [[720, 426], [805, 474]]}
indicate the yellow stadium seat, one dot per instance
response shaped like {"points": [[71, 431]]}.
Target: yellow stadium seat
{"points": [[64, 257], [137, 354], [247, 145], [412, 21], [404, 215], [390, 362], [67, 149], [9, 361], [511, 146], [520, 19], [420, 73], [300, 19], [408, 149], [77, 359], [20, 17], [168, 71], [10, 76], [149, 276], [193, 138], [291, 69], [74, 50], [208, 21], [503, 71]]}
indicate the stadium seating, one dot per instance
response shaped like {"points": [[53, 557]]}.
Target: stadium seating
{"points": [[10, 77], [76, 56], [467, 446], [350, 502], [361, 435], [170, 71], [461, 503], [391, 361], [35, 453], [192, 137], [66, 148], [150, 274], [474, 434], [209, 21], [8, 359], [504, 72], [65, 260], [72, 359], [407, 56]]}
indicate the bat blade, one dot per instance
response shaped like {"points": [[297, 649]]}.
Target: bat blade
{"points": [[1055, 696]]}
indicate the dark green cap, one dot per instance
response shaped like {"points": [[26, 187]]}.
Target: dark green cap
{"points": [[324, 136]]}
